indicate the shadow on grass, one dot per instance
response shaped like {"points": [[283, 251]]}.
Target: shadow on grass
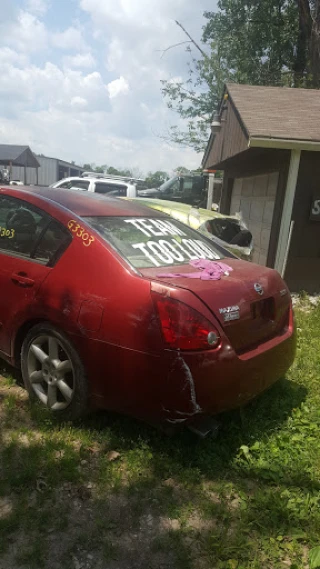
{"points": [[266, 414], [184, 450], [128, 523], [8, 371]]}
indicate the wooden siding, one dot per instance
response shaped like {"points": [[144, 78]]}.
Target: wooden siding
{"points": [[303, 269], [231, 140]]}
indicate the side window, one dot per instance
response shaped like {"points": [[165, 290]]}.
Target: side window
{"points": [[21, 225], [79, 184], [52, 243], [76, 184], [187, 187], [64, 185], [112, 189], [102, 188], [24, 230], [175, 189], [122, 191]]}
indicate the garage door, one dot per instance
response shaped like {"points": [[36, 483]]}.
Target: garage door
{"points": [[254, 197]]}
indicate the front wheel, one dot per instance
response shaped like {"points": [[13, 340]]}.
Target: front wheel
{"points": [[53, 373]]}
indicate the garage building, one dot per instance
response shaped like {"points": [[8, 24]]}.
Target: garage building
{"points": [[267, 141]]}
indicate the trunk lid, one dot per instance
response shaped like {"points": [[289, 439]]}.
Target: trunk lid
{"points": [[251, 304]]}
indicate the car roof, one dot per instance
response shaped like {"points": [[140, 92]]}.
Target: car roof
{"points": [[93, 179], [83, 204]]}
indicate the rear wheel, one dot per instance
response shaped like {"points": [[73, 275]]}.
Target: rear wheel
{"points": [[53, 372]]}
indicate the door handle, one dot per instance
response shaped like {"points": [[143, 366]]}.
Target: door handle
{"points": [[21, 279]]}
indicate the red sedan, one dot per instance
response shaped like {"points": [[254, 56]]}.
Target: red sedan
{"points": [[108, 304]]}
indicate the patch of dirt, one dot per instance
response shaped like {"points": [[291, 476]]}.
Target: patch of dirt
{"points": [[99, 533], [197, 523]]}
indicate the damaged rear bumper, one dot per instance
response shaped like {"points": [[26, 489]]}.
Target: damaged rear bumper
{"points": [[175, 388], [215, 382]]}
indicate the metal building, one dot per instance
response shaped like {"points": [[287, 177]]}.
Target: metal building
{"points": [[19, 157], [51, 170]]}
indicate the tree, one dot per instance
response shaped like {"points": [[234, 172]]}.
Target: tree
{"points": [[136, 172], [88, 167], [307, 65], [181, 170], [129, 173], [155, 179], [270, 42], [315, 43], [115, 172]]}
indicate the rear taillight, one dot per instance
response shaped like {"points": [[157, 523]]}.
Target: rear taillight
{"points": [[183, 328]]}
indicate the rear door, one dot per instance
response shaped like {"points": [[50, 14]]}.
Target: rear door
{"points": [[30, 242]]}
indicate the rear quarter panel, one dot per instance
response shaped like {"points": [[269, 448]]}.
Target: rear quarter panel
{"points": [[107, 312]]}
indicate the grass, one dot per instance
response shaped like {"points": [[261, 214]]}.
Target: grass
{"points": [[249, 499]]}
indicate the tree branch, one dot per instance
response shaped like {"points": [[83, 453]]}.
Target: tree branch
{"points": [[192, 40], [172, 46]]}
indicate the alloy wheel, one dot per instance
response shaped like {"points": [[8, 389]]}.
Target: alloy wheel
{"points": [[51, 373]]}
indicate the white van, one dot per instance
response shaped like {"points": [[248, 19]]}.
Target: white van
{"points": [[99, 185]]}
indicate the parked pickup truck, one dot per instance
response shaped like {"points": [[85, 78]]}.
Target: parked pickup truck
{"points": [[189, 189]]}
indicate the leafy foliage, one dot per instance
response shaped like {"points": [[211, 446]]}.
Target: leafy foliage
{"points": [[109, 170], [270, 42], [314, 558], [155, 179]]}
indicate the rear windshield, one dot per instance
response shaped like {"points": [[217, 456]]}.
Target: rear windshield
{"points": [[153, 242]]}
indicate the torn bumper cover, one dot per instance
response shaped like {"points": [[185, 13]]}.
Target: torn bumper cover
{"points": [[178, 388], [200, 386]]}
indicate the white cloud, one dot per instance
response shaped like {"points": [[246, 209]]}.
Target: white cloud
{"points": [[35, 88], [10, 57], [118, 87], [90, 91], [78, 102], [70, 39], [81, 60], [27, 34], [37, 6]]}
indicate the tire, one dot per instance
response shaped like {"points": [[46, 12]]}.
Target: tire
{"points": [[53, 373]]}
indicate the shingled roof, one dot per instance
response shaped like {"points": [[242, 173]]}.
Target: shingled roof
{"points": [[264, 117], [18, 155], [277, 112]]}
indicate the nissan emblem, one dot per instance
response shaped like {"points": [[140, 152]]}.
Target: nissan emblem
{"points": [[258, 288]]}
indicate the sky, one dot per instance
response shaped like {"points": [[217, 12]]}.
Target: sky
{"points": [[80, 79]]}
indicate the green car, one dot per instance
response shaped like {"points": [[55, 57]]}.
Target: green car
{"points": [[228, 231]]}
